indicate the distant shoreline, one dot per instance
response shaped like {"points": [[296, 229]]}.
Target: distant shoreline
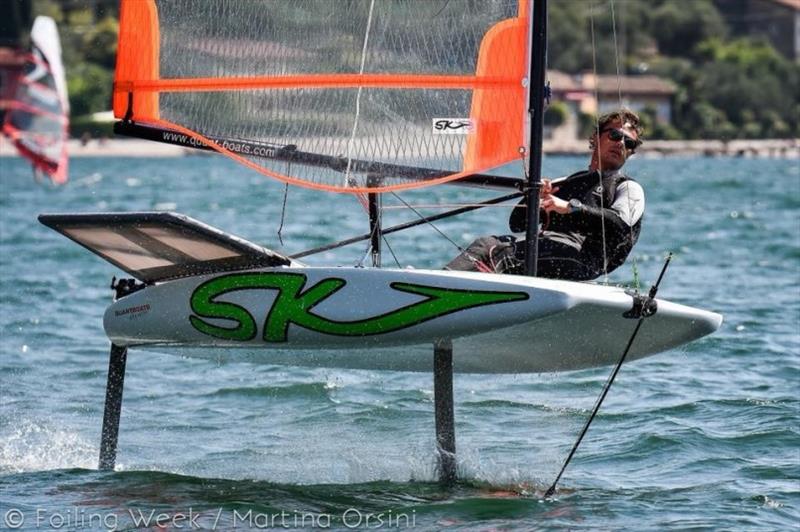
{"points": [[776, 148]]}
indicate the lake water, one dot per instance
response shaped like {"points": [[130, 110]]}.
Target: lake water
{"points": [[704, 437]]}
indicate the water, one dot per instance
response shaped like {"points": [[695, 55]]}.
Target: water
{"points": [[704, 437]]}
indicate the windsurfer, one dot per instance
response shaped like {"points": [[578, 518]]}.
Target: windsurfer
{"points": [[591, 219]]}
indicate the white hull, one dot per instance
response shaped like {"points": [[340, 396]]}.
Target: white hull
{"points": [[377, 319]]}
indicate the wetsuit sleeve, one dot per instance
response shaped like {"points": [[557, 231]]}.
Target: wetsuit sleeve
{"points": [[629, 202], [519, 214], [624, 212]]}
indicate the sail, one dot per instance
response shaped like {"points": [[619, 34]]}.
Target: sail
{"points": [[36, 108], [345, 96]]}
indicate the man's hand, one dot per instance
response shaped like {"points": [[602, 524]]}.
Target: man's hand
{"points": [[552, 203], [547, 189]]}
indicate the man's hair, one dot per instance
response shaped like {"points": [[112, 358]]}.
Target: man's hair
{"points": [[624, 115]]}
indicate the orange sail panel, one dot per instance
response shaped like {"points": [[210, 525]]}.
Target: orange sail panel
{"points": [[369, 86], [495, 110], [137, 59]]}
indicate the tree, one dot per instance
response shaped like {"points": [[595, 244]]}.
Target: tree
{"points": [[679, 27], [752, 84], [555, 114], [89, 88]]}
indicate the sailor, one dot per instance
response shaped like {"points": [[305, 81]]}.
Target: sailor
{"points": [[590, 220]]}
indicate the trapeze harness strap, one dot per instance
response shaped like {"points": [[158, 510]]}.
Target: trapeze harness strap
{"points": [[583, 229]]}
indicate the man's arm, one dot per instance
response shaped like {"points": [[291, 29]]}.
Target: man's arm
{"points": [[519, 214], [622, 214]]}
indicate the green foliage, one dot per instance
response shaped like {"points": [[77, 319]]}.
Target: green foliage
{"points": [[555, 114], [100, 43], [571, 25], [679, 26], [653, 129], [738, 89], [587, 125], [568, 47], [89, 87], [88, 33], [726, 88], [49, 8]]}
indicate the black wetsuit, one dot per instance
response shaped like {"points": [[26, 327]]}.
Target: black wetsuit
{"points": [[570, 245]]}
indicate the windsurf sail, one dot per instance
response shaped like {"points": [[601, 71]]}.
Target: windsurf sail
{"points": [[14, 43], [348, 96], [35, 106]]}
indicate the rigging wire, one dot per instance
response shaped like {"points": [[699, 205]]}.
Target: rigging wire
{"points": [[349, 180], [391, 251], [596, 147], [616, 52], [419, 214], [407, 225], [440, 206], [619, 96], [283, 208], [646, 301], [647, 309], [360, 262]]}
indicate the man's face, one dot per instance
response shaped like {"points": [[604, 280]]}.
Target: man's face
{"points": [[611, 148]]}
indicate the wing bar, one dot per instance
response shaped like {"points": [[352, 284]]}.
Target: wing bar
{"points": [[158, 246]]}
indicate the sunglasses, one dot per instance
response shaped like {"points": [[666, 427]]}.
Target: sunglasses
{"points": [[617, 135]]}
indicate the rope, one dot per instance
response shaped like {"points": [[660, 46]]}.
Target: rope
{"points": [[635, 267], [610, 380], [283, 208], [406, 225], [597, 131], [349, 180], [360, 263], [415, 211], [616, 52], [386, 241], [283, 213], [441, 206], [597, 146]]}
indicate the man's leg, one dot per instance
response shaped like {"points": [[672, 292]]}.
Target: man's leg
{"points": [[480, 255], [558, 260]]}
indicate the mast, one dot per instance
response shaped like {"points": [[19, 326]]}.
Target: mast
{"points": [[536, 110], [375, 214]]}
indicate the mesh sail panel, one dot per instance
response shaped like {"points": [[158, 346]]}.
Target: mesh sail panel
{"points": [[345, 96]]}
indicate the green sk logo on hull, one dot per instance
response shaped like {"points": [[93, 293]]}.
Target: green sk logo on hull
{"points": [[293, 305]]}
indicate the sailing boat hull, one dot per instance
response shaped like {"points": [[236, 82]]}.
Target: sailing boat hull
{"points": [[382, 319]]}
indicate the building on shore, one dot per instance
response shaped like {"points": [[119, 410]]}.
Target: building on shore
{"points": [[596, 94]]}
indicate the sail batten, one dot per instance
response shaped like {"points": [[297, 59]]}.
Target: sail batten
{"points": [[439, 84], [407, 81]]}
